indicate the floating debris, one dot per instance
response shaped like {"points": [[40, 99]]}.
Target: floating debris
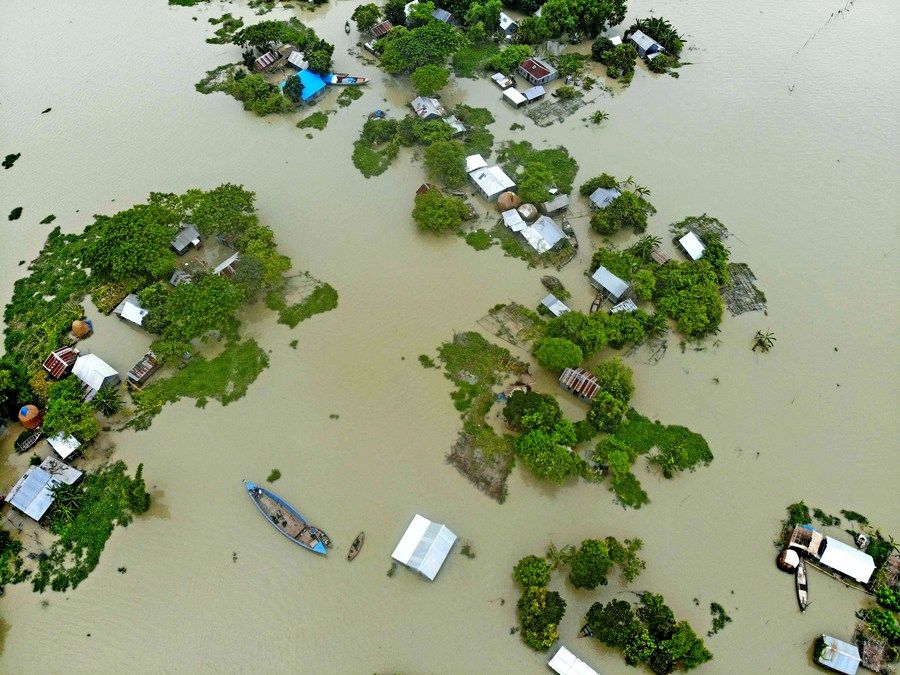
{"points": [[10, 160], [16, 213], [546, 113], [742, 295]]}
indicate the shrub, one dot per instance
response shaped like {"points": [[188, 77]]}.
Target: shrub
{"points": [[557, 354], [604, 180], [615, 378], [590, 565], [532, 571]]}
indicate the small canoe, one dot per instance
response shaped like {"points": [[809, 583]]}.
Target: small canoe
{"points": [[347, 27], [802, 586], [344, 78], [356, 546], [285, 518]]}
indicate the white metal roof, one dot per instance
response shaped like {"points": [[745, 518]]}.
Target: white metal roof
{"points": [[624, 306], [644, 41], [492, 180], [514, 96], [549, 230], [454, 122], [840, 656], [64, 445], [186, 236], [565, 662], [33, 492], [513, 220], [847, 560], [298, 60], [534, 92], [92, 370], [616, 40], [60, 471], [692, 245], [601, 197], [502, 80], [474, 162], [506, 22], [424, 546], [131, 310], [228, 262], [609, 281], [556, 306], [560, 201]]}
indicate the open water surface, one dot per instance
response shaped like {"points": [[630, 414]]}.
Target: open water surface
{"points": [[790, 141]]}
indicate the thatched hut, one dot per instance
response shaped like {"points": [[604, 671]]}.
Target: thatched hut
{"points": [[82, 328], [528, 212], [788, 560], [507, 201], [30, 416]]}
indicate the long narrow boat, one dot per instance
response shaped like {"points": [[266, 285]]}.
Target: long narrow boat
{"points": [[356, 546], [285, 518], [344, 78], [802, 586]]}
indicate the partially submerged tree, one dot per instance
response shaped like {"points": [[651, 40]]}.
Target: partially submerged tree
{"points": [[435, 212], [366, 16], [445, 161], [430, 79]]}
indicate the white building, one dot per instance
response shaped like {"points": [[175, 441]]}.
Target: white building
{"points": [[692, 246], [130, 309], [555, 306], [491, 181], [847, 560], [94, 373], [33, 492], [565, 662], [424, 546], [609, 284]]}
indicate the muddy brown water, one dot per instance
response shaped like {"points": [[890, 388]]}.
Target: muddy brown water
{"points": [[791, 141]]}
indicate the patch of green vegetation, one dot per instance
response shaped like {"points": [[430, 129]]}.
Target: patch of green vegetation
{"points": [[377, 147], [10, 159], [825, 519], [83, 517], [224, 378], [477, 140], [186, 3], [515, 126], [348, 95], [479, 239], [522, 155], [720, 618], [427, 361], [11, 563], [274, 475], [324, 298], [16, 213], [467, 550], [256, 93], [214, 79], [229, 26], [293, 343], [472, 58], [318, 120], [48, 219]]}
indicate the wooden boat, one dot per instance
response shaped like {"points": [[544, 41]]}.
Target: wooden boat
{"points": [[347, 27], [344, 78], [802, 587], [285, 518], [356, 546], [321, 536]]}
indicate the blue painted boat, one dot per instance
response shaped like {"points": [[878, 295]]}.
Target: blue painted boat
{"points": [[286, 519]]}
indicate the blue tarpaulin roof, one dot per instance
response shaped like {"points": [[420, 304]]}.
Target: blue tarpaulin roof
{"points": [[311, 82]]}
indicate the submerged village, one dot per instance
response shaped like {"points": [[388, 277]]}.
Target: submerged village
{"points": [[183, 272]]}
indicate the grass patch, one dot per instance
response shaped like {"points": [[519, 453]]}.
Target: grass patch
{"points": [[470, 58], [427, 361], [324, 298], [318, 120], [16, 213], [274, 475], [224, 378], [83, 518], [372, 162], [348, 95], [479, 239], [11, 563], [48, 219], [10, 159], [720, 618]]}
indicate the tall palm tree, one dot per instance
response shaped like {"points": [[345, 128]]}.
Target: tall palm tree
{"points": [[107, 401], [644, 246]]}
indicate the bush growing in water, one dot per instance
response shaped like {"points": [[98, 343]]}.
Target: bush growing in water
{"points": [[532, 571]]}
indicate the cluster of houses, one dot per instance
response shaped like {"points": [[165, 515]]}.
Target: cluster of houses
{"points": [[535, 70]]}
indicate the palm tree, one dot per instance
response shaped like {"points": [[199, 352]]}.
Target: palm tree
{"points": [[599, 117], [641, 191], [763, 341], [66, 501], [655, 326], [559, 557], [644, 246], [107, 401]]}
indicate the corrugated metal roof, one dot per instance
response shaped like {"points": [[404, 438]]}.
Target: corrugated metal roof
{"points": [[513, 220], [580, 382], [514, 96], [60, 360], [442, 15], [31, 494], [558, 203], [548, 229], [536, 67], [424, 546], [534, 93], [427, 108], [609, 282], [381, 29], [492, 180], [506, 22], [93, 371], [840, 656], [186, 236], [556, 306], [502, 80], [298, 60], [475, 162], [615, 40], [130, 309], [63, 445], [266, 60], [644, 41], [624, 306], [565, 662], [691, 244], [601, 197], [847, 560]]}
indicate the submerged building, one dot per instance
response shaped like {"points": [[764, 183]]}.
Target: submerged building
{"points": [[424, 547]]}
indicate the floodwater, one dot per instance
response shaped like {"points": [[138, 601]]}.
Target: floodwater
{"points": [[791, 142]]}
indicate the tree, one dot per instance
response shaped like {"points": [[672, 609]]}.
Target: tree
{"points": [[614, 378], [508, 59], [660, 30], [619, 61], [532, 571], [582, 16], [540, 612], [107, 401], [626, 557], [532, 31], [257, 245], [209, 303], [293, 89], [688, 292], [654, 612], [590, 564], [319, 57], [604, 180], [686, 647], [763, 341], [588, 331], [541, 410], [599, 48], [227, 209], [716, 254], [420, 13], [535, 182], [643, 247], [612, 623], [68, 414], [405, 50], [557, 354], [131, 243], [434, 212], [626, 210], [430, 79], [485, 12], [138, 497], [366, 16], [606, 412], [395, 12], [547, 454], [268, 34]]}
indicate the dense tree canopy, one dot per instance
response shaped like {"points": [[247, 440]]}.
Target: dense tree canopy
{"points": [[405, 50], [547, 454], [508, 59], [626, 210], [528, 409], [619, 60], [590, 564], [533, 30], [582, 16], [435, 212], [430, 79], [366, 16], [420, 13], [540, 612], [557, 354], [445, 161], [67, 413], [485, 12], [615, 377], [532, 571]]}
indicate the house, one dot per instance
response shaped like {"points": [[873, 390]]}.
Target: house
{"points": [[507, 26], [313, 86], [64, 445], [692, 246], [474, 162], [186, 239], [806, 540], [514, 97], [565, 662], [502, 80], [535, 93], [130, 309], [425, 188], [537, 71], [180, 277], [379, 30], [227, 267], [846, 559], [513, 220], [94, 373], [298, 60], [624, 306], [266, 61], [491, 181], [427, 108], [579, 382], [457, 126], [60, 362], [549, 232], [556, 205], [33, 492], [602, 197], [615, 40], [142, 371], [424, 546], [837, 654], [612, 287], [554, 305], [442, 15], [645, 44]]}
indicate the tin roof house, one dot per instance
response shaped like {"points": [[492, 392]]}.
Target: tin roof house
{"points": [[543, 234], [537, 71], [94, 373], [565, 662], [837, 655], [502, 80], [602, 197], [554, 305], [60, 362], [491, 181], [612, 287], [514, 97], [692, 246], [187, 238], [507, 25], [228, 267], [579, 382], [424, 547], [645, 45], [847, 560], [535, 93], [558, 204], [130, 309], [379, 30], [33, 492], [427, 108]]}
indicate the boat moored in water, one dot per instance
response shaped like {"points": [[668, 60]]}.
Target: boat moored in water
{"points": [[345, 79], [356, 546], [802, 586], [286, 519]]}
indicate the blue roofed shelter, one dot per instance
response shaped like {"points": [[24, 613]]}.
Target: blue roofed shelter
{"points": [[313, 85]]}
